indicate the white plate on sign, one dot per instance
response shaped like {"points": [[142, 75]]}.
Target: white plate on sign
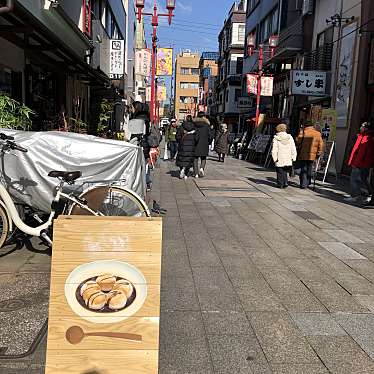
{"points": [[95, 269]]}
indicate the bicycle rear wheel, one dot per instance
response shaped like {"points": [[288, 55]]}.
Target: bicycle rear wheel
{"points": [[4, 226], [112, 201]]}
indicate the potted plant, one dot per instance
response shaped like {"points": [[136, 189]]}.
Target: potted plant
{"points": [[14, 115]]}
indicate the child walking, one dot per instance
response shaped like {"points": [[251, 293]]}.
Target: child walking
{"points": [[187, 138], [284, 154]]}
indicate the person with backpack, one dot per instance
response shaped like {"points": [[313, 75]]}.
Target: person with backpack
{"points": [[187, 138], [145, 135]]}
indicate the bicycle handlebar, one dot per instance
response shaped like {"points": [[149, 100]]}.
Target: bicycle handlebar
{"points": [[15, 146], [5, 137]]}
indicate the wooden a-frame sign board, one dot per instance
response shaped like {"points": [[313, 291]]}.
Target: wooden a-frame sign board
{"points": [[80, 240]]}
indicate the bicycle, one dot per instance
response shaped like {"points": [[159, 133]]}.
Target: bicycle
{"points": [[107, 199]]}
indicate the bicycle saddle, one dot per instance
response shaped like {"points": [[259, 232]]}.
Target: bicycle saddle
{"points": [[67, 176]]}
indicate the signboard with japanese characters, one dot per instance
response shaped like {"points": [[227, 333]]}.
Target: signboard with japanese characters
{"points": [[328, 124], [143, 62], [117, 59], [308, 82], [244, 102], [266, 85], [345, 73]]}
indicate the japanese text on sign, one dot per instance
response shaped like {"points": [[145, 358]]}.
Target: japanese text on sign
{"points": [[117, 59], [310, 83], [266, 85]]}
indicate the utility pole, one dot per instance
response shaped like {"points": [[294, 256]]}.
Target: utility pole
{"points": [[251, 42], [170, 6]]}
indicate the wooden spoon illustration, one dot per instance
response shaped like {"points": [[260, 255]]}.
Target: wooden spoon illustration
{"points": [[75, 334]]}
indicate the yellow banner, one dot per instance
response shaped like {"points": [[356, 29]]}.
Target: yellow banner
{"points": [[161, 93], [164, 61]]}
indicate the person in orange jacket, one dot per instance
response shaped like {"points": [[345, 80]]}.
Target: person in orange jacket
{"points": [[361, 161], [309, 147]]}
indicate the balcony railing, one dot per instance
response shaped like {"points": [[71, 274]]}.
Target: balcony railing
{"points": [[290, 40], [319, 59]]}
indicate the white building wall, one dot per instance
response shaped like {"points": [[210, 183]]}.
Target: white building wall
{"points": [[325, 9], [237, 38]]}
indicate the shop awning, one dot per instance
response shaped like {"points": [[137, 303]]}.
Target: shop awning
{"points": [[49, 37]]}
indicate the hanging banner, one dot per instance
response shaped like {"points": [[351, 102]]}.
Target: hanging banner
{"points": [[87, 18], [148, 94], [117, 59], [252, 84], [266, 85], [143, 59], [345, 73], [161, 93], [164, 61]]}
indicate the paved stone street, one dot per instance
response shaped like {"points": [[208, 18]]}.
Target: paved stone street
{"points": [[254, 279]]}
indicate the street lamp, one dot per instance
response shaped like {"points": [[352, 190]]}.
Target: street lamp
{"points": [[139, 6], [273, 44], [170, 6], [251, 43]]}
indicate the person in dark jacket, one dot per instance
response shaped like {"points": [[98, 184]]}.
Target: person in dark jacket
{"points": [[170, 138], [187, 138], [221, 142], [203, 130]]}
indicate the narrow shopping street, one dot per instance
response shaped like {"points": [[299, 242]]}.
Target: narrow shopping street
{"points": [[254, 279]]}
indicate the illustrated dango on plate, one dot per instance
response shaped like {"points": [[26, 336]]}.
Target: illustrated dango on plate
{"points": [[106, 293]]}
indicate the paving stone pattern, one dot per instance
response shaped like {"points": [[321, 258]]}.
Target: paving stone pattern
{"points": [[282, 284], [275, 285]]}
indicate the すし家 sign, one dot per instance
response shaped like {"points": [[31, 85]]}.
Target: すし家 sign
{"points": [[309, 83]]}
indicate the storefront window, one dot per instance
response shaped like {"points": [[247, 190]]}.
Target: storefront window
{"points": [[6, 80]]}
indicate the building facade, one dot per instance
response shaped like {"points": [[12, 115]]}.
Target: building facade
{"points": [[140, 46], [57, 58], [187, 78], [208, 72], [230, 66], [315, 37]]}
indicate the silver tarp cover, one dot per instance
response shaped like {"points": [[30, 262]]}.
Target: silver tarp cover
{"points": [[26, 174]]}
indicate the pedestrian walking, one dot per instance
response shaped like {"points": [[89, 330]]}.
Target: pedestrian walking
{"points": [[361, 161], [202, 126], [309, 147], [187, 138], [170, 138], [284, 154], [221, 142]]}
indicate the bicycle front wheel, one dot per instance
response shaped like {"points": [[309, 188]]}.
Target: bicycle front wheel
{"points": [[112, 201], [4, 226]]}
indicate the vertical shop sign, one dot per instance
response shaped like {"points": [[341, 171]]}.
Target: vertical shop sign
{"points": [[345, 73], [117, 59], [86, 11]]}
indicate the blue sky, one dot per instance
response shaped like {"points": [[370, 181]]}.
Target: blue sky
{"points": [[195, 26]]}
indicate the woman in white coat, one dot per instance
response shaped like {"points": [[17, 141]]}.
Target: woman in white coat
{"points": [[284, 154]]}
